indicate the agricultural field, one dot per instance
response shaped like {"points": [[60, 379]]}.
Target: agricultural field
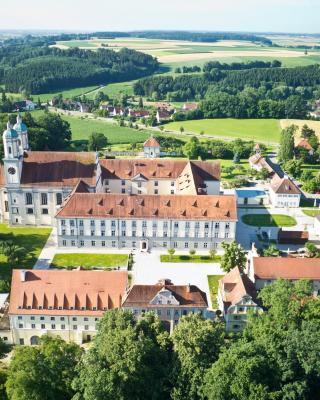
{"points": [[82, 128], [114, 89], [67, 93], [260, 130], [315, 125], [175, 53]]}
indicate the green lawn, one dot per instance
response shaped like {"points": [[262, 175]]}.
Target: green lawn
{"points": [[88, 261], [213, 282], [311, 213], [188, 258], [32, 239], [271, 220], [262, 130], [114, 89], [66, 93], [82, 128]]}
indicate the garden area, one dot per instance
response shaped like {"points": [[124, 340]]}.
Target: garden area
{"points": [[191, 257], [269, 220], [213, 282], [89, 261], [20, 248]]}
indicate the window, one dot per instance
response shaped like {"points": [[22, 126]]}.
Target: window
{"points": [[81, 243], [73, 243], [172, 183], [29, 210], [113, 244], [92, 223], [59, 198], [144, 224], [44, 199], [186, 245], [113, 233], [72, 232], [165, 224], [175, 244], [134, 244], [41, 318], [64, 243], [32, 318], [74, 327], [206, 225], [187, 225], [21, 341], [123, 233], [154, 224], [28, 198], [216, 235], [133, 233], [197, 225], [45, 211], [123, 182], [81, 222], [139, 184], [156, 183], [20, 325], [123, 191], [165, 234], [71, 222], [123, 224], [20, 317], [154, 233], [53, 326], [226, 235], [63, 231], [228, 225], [164, 244], [103, 243], [205, 245], [81, 232], [217, 225], [139, 191], [93, 243], [134, 224], [113, 223], [52, 318], [43, 326], [102, 223], [63, 326], [176, 224], [61, 318], [6, 206], [33, 326], [63, 222], [156, 191], [171, 191]]}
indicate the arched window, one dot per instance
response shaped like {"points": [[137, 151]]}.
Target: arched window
{"points": [[34, 340], [9, 150]]}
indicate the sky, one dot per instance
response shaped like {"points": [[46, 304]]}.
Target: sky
{"points": [[300, 16]]}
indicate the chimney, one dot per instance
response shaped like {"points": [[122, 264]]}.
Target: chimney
{"points": [[188, 288], [23, 275]]}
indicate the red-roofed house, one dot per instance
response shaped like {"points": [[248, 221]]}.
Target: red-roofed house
{"points": [[151, 148], [304, 144], [62, 302], [284, 193]]}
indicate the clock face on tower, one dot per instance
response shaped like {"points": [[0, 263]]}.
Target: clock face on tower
{"points": [[11, 171]]}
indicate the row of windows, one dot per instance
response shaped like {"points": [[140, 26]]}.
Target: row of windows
{"points": [[124, 223], [42, 318], [53, 326], [123, 183], [43, 199], [94, 243]]}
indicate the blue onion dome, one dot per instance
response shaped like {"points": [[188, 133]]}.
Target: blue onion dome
{"points": [[19, 125], [10, 133]]}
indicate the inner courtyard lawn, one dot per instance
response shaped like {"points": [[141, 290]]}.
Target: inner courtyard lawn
{"points": [[31, 239], [269, 220], [188, 258], [311, 213], [89, 261], [213, 282]]}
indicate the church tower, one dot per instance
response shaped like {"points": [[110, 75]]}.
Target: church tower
{"points": [[13, 155], [22, 131]]}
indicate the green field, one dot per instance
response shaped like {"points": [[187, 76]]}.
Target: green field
{"points": [[31, 239], [189, 258], [67, 94], [269, 220], [89, 261], [114, 89], [213, 282], [82, 128], [261, 130]]}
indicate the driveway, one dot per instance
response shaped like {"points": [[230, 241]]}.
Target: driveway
{"points": [[148, 269]]}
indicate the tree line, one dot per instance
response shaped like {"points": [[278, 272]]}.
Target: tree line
{"points": [[234, 66], [275, 358], [42, 69]]}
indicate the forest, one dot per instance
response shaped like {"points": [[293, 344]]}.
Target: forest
{"points": [[38, 69], [242, 93], [275, 358]]}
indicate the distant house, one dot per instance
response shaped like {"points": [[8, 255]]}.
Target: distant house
{"points": [[24, 105], [190, 106], [139, 113], [170, 302], [304, 144], [164, 106], [163, 115], [284, 193], [151, 148], [84, 108], [236, 296], [258, 162], [113, 111]]}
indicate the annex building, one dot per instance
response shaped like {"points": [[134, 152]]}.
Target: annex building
{"points": [[135, 203]]}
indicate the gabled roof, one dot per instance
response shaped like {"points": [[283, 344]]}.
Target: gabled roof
{"points": [[186, 295], [49, 168], [286, 268], [304, 144], [56, 292], [234, 286], [111, 205], [259, 160], [284, 186], [151, 142]]}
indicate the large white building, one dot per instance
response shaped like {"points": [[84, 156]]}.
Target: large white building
{"points": [[63, 303], [146, 221], [284, 193]]}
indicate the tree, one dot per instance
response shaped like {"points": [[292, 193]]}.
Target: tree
{"points": [[59, 132], [212, 253], [127, 360], [181, 129], [13, 252], [312, 250], [43, 372], [263, 174], [197, 343], [192, 252], [293, 167], [271, 251], [140, 102], [306, 175], [97, 141], [286, 150], [192, 148], [171, 252], [234, 256]]}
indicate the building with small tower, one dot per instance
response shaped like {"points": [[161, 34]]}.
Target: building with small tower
{"points": [[151, 148]]}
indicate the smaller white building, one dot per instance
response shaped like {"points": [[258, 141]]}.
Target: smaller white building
{"points": [[151, 148], [284, 193]]}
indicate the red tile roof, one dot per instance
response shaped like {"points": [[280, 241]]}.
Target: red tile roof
{"points": [[257, 159], [304, 144], [151, 142], [234, 286], [48, 168], [286, 268], [110, 205], [284, 186], [187, 296], [157, 169], [62, 292]]}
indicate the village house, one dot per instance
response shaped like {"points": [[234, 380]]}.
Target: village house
{"points": [[170, 302], [237, 297], [24, 105], [190, 106], [63, 303], [162, 115], [258, 162], [138, 113], [304, 144], [284, 193]]}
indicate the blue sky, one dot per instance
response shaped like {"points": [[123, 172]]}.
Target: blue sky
{"points": [[235, 15]]}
